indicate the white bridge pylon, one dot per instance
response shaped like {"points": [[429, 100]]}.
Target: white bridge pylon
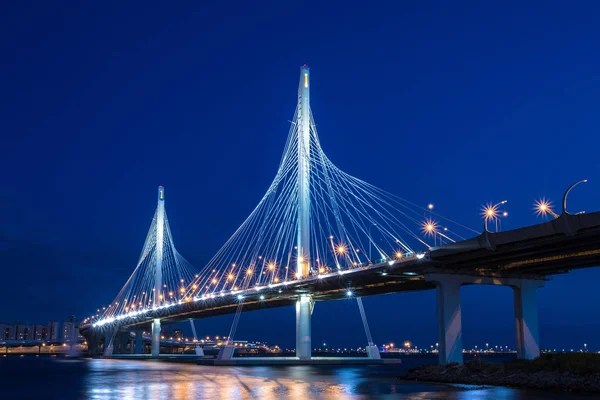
{"points": [[161, 275], [313, 220]]}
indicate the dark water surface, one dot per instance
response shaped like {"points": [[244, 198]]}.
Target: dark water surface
{"points": [[31, 377]]}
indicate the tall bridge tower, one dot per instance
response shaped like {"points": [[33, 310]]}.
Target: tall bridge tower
{"points": [[160, 234], [304, 305], [303, 257]]}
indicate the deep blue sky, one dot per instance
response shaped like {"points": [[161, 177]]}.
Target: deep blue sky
{"points": [[455, 104]]}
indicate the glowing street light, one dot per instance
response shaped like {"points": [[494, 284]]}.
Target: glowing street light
{"points": [[429, 227], [543, 207], [490, 212]]}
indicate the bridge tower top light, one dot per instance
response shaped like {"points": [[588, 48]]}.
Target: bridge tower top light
{"points": [[161, 193]]}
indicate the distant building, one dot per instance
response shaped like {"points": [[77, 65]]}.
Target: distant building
{"points": [[50, 332], [40, 332], [7, 332], [23, 332], [70, 331], [53, 330]]}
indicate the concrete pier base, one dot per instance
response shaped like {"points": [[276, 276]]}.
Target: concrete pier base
{"points": [[155, 337], [226, 352], [373, 352], [304, 308], [108, 344]]}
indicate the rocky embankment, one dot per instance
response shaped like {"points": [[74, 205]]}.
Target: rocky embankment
{"points": [[552, 372]]}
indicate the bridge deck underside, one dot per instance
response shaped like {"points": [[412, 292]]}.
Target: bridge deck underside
{"points": [[540, 256], [288, 299], [380, 279]]}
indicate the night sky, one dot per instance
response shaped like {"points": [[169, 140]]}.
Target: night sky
{"points": [[454, 104]]}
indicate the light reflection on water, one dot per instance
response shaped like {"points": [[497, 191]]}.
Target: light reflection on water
{"points": [[110, 379], [120, 379]]}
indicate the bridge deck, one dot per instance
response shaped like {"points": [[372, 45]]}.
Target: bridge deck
{"points": [[557, 246]]}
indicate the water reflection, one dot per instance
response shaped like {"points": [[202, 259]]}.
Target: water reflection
{"points": [[115, 379], [53, 378]]}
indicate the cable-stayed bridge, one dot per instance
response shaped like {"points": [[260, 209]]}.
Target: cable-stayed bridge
{"points": [[320, 234]]}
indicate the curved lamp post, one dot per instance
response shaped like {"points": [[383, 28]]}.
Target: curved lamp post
{"points": [[567, 193]]}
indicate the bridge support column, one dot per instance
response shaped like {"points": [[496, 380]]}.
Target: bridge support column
{"points": [[139, 342], [304, 308], [526, 319], [449, 319], [449, 313], [93, 340], [156, 337], [109, 337], [120, 342]]}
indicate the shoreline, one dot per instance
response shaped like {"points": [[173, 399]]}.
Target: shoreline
{"points": [[565, 373]]}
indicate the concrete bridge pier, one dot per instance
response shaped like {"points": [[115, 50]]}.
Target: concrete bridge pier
{"points": [[120, 342], [108, 343], [526, 318], [304, 309], [450, 319], [155, 337], [139, 342], [93, 340]]}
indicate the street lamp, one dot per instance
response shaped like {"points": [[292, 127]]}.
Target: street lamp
{"points": [[491, 212], [499, 221], [567, 193]]}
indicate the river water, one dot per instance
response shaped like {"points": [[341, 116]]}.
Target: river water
{"points": [[48, 378]]}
